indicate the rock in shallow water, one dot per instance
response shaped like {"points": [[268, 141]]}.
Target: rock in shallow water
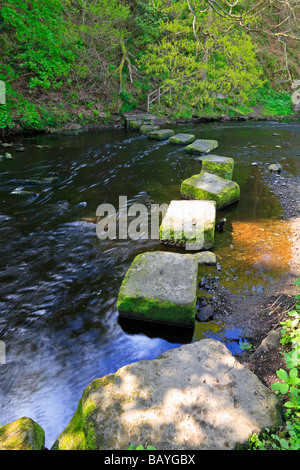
{"points": [[202, 146], [22, 434], [160, 287], [210, 187], [196, 397], [161, 134], [189, 224], [182, 139], [221, 166], [275, 167]]}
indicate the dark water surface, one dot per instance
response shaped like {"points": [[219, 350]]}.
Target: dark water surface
{"points": [[59, 283]]}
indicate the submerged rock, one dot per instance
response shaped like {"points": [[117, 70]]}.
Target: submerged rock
{"points": [[23, 192], [182, 139], [6, 144], [210, 187], [189, 224], [160, 287], [195, 397], [7, 156], [22, 434], [161, 134], [33, 182], [202, 146]]}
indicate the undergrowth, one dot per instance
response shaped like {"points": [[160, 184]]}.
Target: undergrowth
{"points": [[287, 437]]}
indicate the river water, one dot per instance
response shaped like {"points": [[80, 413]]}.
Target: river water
{"points": [[59, 282]]}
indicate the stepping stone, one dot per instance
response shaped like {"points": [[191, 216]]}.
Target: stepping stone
{"points": [[210, 187], [148, 128], [182, 139], [221, 166], [161, 134], [196, 396], [135, 125], [202, 146], [160, 287], [189, 224]]}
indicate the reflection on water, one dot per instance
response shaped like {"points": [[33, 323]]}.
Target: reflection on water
{"points": [[59, 283]]}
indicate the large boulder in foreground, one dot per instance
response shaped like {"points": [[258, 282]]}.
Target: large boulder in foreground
{"points": [[160, 287], [189, 224], [210, 187], [22, 434], [196, 397]]}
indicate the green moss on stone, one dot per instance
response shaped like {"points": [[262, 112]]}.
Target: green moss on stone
{"points": [[182, 139], [148, 128], [201, 146], [199, 187], [135, 125], [162, 134], [156, 310], [22, 434], [142, 295], [219, 166]]}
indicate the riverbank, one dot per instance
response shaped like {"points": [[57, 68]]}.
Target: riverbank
{"points": [[118, 121], [262, 313]]}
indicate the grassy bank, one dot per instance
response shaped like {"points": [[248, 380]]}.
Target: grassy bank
{"points": [[80, 63]]}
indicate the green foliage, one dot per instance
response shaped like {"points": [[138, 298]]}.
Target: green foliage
{"points": [[148, 18], [115, 52], [273, 102], [43, 40], [287, 438], [140, 447], [199, 64]]}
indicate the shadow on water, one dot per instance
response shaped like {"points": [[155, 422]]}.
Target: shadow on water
{"points": [[59, 283]]}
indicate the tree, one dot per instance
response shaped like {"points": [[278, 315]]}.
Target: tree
{"points": [[202, 58]]}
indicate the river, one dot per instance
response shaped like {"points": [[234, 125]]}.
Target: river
{"points": [[59, 282]]}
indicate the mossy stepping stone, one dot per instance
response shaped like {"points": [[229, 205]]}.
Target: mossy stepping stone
{"points": [[160, 287], [182, 139], [221, 166], [148, 128], [210, 187], [161, 134], [189, 224], [201, 146], [135, 125]]}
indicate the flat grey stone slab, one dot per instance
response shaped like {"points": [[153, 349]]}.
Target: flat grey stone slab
{"points": [[202, 146], [160, 287], [144, 129], [161, 134], [189, 224], [195, 397], [182, 139], [210, 187]]}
